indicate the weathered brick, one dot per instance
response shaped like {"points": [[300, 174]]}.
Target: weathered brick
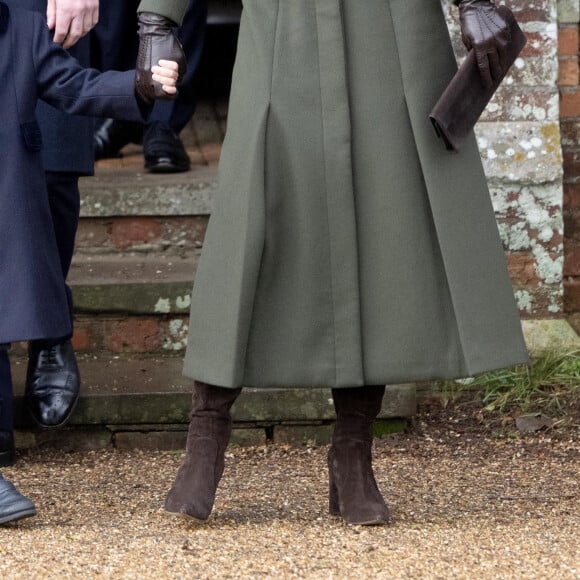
{"points": [[572, 163], [522, 269], [516, 103], [572, 224], [81, 340], [570, 102], [570, 128], [571, 194], [568, 43], [127, 232], [134, 335], [568, 73], [572, 259], [572, 294]]}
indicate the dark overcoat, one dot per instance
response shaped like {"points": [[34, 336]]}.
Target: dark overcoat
{"points": [[67, 140], [346, 245], [33, 301]]}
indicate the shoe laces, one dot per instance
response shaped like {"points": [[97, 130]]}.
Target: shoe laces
{"points": [[159, 135], [48, 357]]}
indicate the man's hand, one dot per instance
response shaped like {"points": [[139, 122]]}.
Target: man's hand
{"points": [[157, 41], [71, 19], [485, 30]]}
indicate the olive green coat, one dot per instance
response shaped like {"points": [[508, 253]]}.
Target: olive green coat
{"points": [[172, 9], [346, 245]]}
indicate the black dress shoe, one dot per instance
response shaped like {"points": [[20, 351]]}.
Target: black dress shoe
{"points": [[7, 450], [52, 383], [163, 150], [13, 505], [112, 135]]}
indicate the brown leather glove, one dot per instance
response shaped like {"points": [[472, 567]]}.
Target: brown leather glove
{"points": [[157, 40], [485, 30]]}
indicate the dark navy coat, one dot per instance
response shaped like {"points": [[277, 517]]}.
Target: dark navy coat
{"points": [[67, 140], [33, 303]]}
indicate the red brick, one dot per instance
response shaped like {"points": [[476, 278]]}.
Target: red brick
{"points": [[572, 295], [539, 45], [81, 339], [572, 259], [570, 102], [127, 232], [540, 11], [572, 164], [572, 224], [568, 74], [571, 195], [522, 269], [134, 335], [568, 43], [570, 129]]}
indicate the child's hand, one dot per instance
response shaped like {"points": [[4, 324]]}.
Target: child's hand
{"points": [[166, 74]]}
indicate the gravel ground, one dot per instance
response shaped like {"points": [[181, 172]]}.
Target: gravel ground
{"points": [[465, 504]]}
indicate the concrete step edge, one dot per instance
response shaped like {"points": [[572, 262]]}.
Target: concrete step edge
{"points": [[255, 406], [128, 192]]}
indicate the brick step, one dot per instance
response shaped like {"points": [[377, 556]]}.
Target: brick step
{"points": [[132, 303], [168, 235], [133, 284], [126, 210], [131, 401], [123, 189]]}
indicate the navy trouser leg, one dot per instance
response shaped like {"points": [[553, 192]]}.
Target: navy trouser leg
{"points": [[64, 200], [6, 393]]}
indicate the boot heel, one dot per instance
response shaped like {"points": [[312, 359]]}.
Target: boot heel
{"points": [[333, 504]]}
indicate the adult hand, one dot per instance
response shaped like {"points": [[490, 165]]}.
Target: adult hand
{"points": [[157, 41], [486, 31], [71, 19]]}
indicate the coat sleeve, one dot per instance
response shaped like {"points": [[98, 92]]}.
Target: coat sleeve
{"points": [[172, 9], [63, 83]]}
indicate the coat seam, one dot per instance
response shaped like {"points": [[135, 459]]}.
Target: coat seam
{"points": [[324, 156]]}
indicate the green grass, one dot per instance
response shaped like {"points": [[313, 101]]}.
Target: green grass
{"points": [[549, 385]]}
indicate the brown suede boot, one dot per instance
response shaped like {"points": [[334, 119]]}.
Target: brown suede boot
{"points": [[354, 493], [193, 492]]}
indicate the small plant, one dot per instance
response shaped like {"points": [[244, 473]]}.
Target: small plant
{"points": [[550, 385]]}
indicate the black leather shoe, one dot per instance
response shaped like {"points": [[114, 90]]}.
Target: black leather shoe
{"points": [[52, 383], [13, 505], [7, 451], [112, 135], [163, 150]]}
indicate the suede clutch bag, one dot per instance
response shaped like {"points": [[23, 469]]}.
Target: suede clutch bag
{"points": [[466, 96]]}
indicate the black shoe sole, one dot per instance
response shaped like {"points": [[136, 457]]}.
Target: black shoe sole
{"points": [[166, 168]]}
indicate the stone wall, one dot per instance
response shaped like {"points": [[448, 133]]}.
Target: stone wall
{"points": [[519, 140], [569, 81]]}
